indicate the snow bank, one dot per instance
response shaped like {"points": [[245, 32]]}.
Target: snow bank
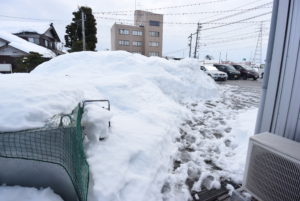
{"points": [[233, 161], [145, 95], [16, 193], [24, 45], [95, 122]]}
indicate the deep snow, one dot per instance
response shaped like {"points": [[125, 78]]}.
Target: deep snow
{"points": [[148, 104]]}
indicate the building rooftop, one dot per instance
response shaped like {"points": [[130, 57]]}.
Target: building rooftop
{"points": [[24, 45], [18, 27]]}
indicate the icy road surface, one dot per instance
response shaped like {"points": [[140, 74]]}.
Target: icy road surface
{"points": [[212, 144]]}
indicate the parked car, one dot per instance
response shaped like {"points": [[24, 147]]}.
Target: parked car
{"points": [[246, 72], [230, 70], [214, 73]]}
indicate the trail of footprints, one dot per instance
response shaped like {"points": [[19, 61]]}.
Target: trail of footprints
{"points": [[209, 121]]}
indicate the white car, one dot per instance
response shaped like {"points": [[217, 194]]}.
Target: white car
{"points": [[214, 73]]}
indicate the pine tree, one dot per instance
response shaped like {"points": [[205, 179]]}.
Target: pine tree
{"points": [[29, 62], [73, 35]]}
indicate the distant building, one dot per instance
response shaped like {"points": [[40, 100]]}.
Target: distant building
{"points": [[18, 40], [144, 37]]}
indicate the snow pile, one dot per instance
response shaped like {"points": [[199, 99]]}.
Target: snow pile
{"points": [[24, 45], [95, 122], [233, 160], [146, 96], [16, 193]]}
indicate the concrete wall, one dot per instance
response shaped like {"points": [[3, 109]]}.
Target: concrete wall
{"points": [[280, 107]]}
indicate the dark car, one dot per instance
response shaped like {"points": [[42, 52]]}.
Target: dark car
{"points": [[246, 72], [232, 73]]}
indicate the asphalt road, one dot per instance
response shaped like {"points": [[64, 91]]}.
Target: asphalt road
{"points": [[247, 91]]}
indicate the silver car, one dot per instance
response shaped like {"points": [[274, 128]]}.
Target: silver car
{"points": [[214, 73]]}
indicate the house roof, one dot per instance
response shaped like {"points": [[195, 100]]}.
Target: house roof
{"points": [[17, 27], [24, 45], [35, 27]]}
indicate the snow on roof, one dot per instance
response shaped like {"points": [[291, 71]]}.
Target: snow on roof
{"points": [[24, 45], [17, 27]]}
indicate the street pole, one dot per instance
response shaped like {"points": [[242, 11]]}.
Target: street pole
{"points": [[197, 40], [190, 45], [83, 30]]}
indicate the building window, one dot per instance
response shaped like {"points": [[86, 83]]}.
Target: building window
{"points": [[124, 31], [46, 43], [154, 23], [137, 43], [153, 54], [137, 33], [31, 40], [137, 52], [153, 44], [154, 33], [124, 42], [36, 41]]}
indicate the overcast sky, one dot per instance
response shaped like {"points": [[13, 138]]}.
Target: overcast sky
{"points": [[237, 40]]}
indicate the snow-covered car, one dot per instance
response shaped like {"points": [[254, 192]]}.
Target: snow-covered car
{"points": [[214, 73]]}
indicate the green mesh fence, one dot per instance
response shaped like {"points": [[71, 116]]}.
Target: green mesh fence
{"points": [[59, 143]]}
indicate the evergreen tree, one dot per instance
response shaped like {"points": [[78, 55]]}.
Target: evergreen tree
{"points": [[73, 35], [29, 62]]}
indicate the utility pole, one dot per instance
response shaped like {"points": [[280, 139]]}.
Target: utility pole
{"points": [[197, 40], [257, 58], [83, 30], [190, 44]]}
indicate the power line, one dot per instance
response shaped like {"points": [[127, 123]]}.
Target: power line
{"points": [[32, 19], [239, 21], [188, 13], [241, 12], [163, 8], [230, 30], [175, 51], [231, 40], [230, 36], [240, 6], [189, 23]]}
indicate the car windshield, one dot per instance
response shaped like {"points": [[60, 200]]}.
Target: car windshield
{"points": [[231, 68], [211, 68], [247, 68]]}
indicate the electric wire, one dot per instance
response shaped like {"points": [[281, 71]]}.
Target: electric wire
{"points": [[239, 13], [163, 8], [190, 13]]}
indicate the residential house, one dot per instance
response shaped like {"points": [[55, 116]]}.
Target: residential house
{"points": [[18, 40]]}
